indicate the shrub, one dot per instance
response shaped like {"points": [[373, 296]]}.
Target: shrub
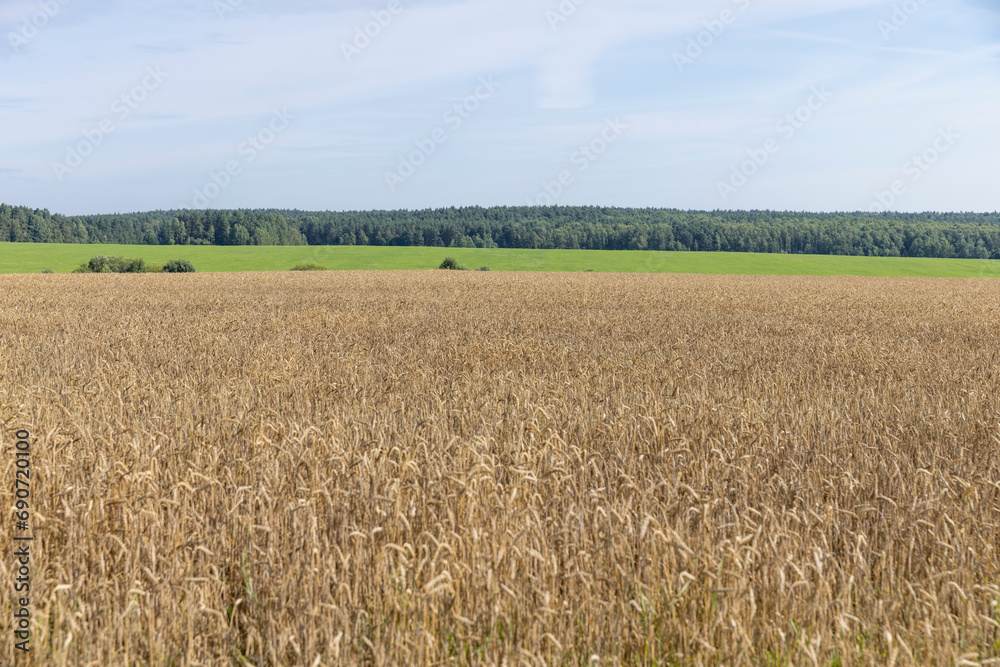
{"points": [[178, 266], [451, 264], [48, 271], [102, 264], [483, 268], [98, 264], [308, 266], [122, 265]]}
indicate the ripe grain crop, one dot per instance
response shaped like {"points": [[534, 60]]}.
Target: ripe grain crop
{"points": [[485, 468]]}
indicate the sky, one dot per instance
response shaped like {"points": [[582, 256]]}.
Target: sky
{"points": [[818, 105]]}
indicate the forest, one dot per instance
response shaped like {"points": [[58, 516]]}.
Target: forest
{"points": [[961, 235]]}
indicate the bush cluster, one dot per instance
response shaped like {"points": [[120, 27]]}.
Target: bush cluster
{"points": [[102, 264]]}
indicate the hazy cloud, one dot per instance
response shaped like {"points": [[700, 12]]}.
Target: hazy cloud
{"points": [[751, 63]]}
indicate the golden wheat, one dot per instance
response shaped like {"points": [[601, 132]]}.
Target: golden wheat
{"points": [[485, 468]]}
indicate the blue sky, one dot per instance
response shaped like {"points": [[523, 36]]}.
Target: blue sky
{"points": [[385, 104]]}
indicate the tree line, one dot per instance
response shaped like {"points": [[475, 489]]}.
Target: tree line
{"points": [[966, 235]]}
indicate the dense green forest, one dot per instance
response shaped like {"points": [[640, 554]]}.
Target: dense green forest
{"points": [[966, 235]]}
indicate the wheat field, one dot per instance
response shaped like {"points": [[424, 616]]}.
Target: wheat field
{"points": [[447, 468]]}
